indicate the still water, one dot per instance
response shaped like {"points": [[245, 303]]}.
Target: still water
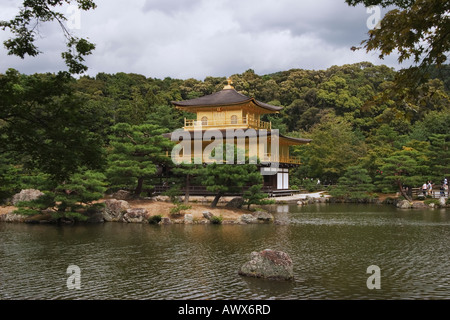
{"points": [[331, 247]]}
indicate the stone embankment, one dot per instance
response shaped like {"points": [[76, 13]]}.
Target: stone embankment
{"points": [[151, 210]]}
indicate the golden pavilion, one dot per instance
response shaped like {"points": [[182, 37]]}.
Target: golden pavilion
{"points": [[230, 110]]}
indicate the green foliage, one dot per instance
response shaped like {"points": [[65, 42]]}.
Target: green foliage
{"points": [[51, 125], [174, 194], [223, 178], [430, 201], [155, 219], [216, 220], [416, 30], [25, 28], [135, 151], [335, 147], [82, 189], [185, 175], [36, 206], [178, 208], [9, 183], [254, 195], [354, 184], [46, 125], [404, 168], [74, 200]]}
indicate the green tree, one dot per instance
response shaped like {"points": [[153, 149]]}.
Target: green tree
{"points": [[254, 195], [354, 184], [135, 152], [48, 126], [334, 147], [439, 156], [187, 174], [416, 29], [224, 178], [402, 170], [25, 29], [9, 182], [73, 200]]}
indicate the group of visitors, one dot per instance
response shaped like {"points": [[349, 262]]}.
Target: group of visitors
{"points": [[427, 188]]}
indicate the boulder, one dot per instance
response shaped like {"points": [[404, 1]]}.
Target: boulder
{"points": [[122, 195], [247, 218], [207, 215], [12, 217], [418, 205], [262, 216], [135, 215], [188, 219], [269, 264], [26, 195], [404, 204], [236, 203], [115, 209], [442, 201], [165, 220]]}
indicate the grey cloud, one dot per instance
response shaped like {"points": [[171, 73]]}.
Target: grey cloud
{"points": [[170, 6]]}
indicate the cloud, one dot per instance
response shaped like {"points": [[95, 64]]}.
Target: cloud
{"points": [[200, 38]]}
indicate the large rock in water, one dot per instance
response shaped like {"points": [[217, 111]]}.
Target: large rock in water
{"points": [[135, 215], [269, 264], [115, 209], [26, 195], [404, 204]]}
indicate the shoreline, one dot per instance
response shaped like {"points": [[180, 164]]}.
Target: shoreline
{"points": [[200, 212]]}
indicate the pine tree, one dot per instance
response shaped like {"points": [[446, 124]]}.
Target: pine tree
{"points": [[354, 184], [254, 195], [135, 152], [403, 169], [224, 178]]}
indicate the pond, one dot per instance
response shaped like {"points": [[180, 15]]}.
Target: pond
{"points": [[331, 246]]}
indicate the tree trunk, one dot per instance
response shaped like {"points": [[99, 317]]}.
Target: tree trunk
{"points": [[138, 190], [186, 192], [216, 200], [403, 193]]}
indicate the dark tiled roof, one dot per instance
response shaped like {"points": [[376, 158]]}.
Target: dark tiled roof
{"points": [[295, 140], [223, 98]]}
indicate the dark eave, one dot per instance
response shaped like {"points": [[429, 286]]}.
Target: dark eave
{"points": [[226, 97], [238, 131]]}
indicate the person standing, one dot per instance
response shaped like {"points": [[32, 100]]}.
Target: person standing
{"points": [[424, 189], [430, 188]]}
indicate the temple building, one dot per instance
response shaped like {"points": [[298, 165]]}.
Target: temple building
{"points": [[230, 112]]}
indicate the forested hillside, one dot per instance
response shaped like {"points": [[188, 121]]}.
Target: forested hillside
{"points": [[56, 126]]}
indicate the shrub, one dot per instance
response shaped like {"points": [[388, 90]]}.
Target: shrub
{"points": [[178, 208], [216, 220], [155, 219], [428, 201]]}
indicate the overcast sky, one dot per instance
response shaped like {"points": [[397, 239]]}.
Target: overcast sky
{"points": [[199, 38]]}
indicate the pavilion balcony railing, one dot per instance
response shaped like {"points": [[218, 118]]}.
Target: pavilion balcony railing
{"points": [[266, 158], [243, 122]]}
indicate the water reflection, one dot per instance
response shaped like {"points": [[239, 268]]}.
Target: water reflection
{"points": [[331, 247]]}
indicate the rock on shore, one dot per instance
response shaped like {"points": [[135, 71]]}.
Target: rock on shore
{"points": [[269, 264]]}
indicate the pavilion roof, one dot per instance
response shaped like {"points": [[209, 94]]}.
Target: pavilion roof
{"points": [[223, 98]]}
